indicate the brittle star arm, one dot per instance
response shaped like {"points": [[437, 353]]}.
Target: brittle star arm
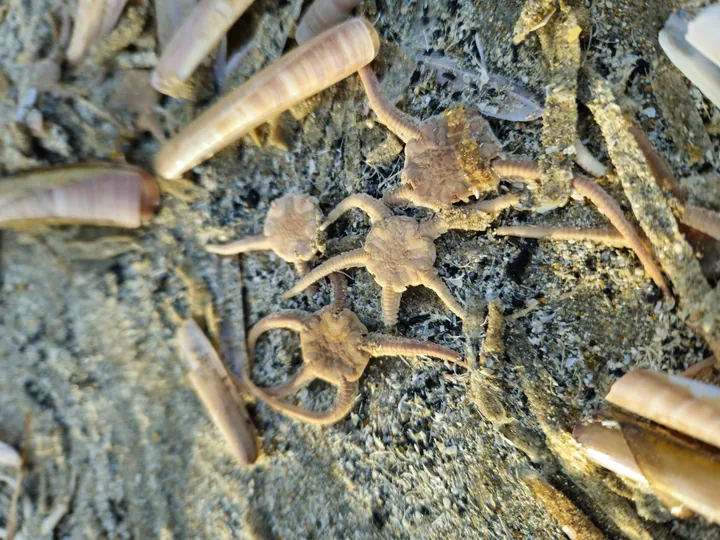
{"points": [[382, 345], [527, 170], [433, 282], [401, 195], [248, 243], [300, 380], [701, 219], [302, 268], [356, 257], [344, 401], [398, 122], [390, 306], [291, 319], [340, 290], [609, 237], [375, 209], [469, 217]]}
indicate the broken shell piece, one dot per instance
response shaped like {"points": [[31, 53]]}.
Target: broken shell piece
{"points": [[94, 20], [199, 34], [9, 457], [676, 468], [615, 443], [604, 444], [169, 16], [307, 70], [685, 405], [94, 194], [225, 407], [703, 35], [694, 49]]}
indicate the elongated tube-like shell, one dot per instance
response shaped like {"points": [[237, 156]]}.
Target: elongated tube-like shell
{"points": [[79, 194], [677, 469], [307, 70], [227, 412], [198, 35], [321, 15], [685, 405], [94, 19]]}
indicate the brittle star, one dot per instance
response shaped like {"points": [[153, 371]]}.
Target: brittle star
{"points": [[407, 129], [399, 251], [291, 231], [336, 348]]}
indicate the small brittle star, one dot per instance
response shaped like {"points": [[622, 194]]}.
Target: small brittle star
{"points": [[291, 231], [447, 156], [336, 348], [399, 251]]}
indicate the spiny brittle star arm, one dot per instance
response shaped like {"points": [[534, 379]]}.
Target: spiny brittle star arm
{"points": [[610, 209], [248, 243], [381, 345], [396, 121], [374, 208], [291, 319], [340, 291], [298, 381], [302, 268], [401, 195], [701, 219], [609, 237], [528, 170], [433, 282], [356, 257], [344, 401], [390, 306]]}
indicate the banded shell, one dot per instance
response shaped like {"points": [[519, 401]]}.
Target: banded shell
{"points": [[307, 70], [95, 194]]}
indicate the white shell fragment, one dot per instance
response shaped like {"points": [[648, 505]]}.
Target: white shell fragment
{"points": [[703, 33], [694, 48], [9, 456]]}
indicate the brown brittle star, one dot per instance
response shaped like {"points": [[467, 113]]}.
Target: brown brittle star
{"points": [[446, 157], [336, 348], [436, 187], [399, 251], [291, 231]]}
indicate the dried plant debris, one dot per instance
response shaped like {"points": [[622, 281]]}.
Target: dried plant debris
{"points": [[699, 300]]}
